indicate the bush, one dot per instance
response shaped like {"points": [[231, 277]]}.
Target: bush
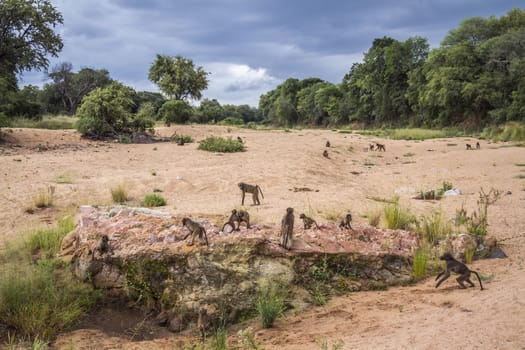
{"points": [[219, 144], [119, 194], [153, 200], [232, 121], [270, 304], [175, 111], [106, 112]]}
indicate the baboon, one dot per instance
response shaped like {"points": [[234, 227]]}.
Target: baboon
{"points": [[308, 222], [325, 154], [452, 265], [196, 230], [328, 144], [103, 246], [345, 222], [287, 229], [468, 146], [478, 146], [237, 216], [371, 147], [180, 141], [239, 139], [202, 322], [380, 147], [253, 189]]}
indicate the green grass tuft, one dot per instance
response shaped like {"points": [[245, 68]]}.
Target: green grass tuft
{"points": [[270, 304], [153, 200], [420, 262], [119, 194], [220, 144], [435, 226], [397, 217]]}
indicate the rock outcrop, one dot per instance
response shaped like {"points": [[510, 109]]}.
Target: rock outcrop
{"points": [[150, 263]]}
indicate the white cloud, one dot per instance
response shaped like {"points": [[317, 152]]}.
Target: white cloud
{"points": [[232, 83]]}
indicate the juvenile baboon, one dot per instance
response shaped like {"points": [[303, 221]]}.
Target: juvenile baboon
{"points": [[371, 147], [287, 229], [328, 144], [452, 265], [380, 147], [202, 322], [195, 230], [237, 216], [325, 154], [468, 146], [239, 139], [103, 246], [477, 145], [253, 189], [308, 222], [345, 222]]}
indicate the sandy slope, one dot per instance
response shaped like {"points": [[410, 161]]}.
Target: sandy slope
{"points": [[192, 181]]}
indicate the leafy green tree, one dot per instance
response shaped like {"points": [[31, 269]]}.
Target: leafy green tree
{"points": [[106, 112], [175, 111], [178, 77], [27, 38]]}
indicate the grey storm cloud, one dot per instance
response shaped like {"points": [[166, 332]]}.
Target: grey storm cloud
{"points": [[249, 47]]}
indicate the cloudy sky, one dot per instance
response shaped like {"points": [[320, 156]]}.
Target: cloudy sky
{"points": [[248, 46]]}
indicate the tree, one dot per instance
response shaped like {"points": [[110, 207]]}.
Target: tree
{"points": [[26, 39], [27, 36], [175, 111], [72, 87], [106, 112], [178, 77]]}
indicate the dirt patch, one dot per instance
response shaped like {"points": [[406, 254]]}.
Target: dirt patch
{"points": [[194, 181]]}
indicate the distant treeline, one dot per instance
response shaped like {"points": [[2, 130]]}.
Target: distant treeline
{"points": [[475, 78]]}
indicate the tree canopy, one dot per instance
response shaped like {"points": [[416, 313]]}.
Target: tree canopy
{"points": [[178, 77]]}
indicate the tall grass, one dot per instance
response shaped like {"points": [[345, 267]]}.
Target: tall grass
{"points": [[413, 133], [397, 217], [45, 198], [270, 304], [220, 338], [511, 131], [39, 297], [47, 241], [53, 122], [435, 226], [420, 263], [119, 193]]}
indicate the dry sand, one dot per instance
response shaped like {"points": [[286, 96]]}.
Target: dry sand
{"points": [[193, 181]]}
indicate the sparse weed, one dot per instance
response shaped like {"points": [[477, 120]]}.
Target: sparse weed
{"points": [[119, 193], [247, 339], [374, 218], [324, 345], [333, 214], [63, 179], [45, 198]]}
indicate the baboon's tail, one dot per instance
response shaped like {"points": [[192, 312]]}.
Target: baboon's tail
{"points": [[260, 190], [479, 279]]}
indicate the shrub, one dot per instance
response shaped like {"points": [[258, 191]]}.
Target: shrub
{"points": [[185, 138], [106, 112], [175, 111], [219, 144], [232, 121], [119, 194], [270, 304], [153, 200]]}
